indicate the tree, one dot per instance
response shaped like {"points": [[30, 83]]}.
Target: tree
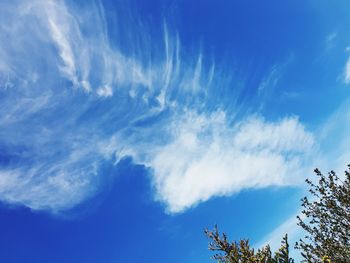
{"points": [[326, 219], [241, 252]]}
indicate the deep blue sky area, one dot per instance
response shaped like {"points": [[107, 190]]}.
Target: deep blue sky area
{"points": [[129, 127]]}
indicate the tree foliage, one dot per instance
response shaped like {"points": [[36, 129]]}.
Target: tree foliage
{"points": [[326, 219], [241, 251]]}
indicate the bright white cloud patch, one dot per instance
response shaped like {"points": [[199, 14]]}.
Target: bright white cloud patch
{"points": [[206, 157], [71, 101]]}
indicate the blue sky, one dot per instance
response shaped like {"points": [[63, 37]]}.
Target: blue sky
{"points": [[128, 127]]}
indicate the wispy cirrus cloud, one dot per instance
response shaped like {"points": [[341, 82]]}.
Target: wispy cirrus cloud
{"points": [[71, 101]]}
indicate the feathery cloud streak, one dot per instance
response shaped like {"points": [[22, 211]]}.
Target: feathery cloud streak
{"points": [[71, 101]]}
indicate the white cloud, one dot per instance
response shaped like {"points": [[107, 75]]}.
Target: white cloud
{"points": [[50, 134], [105, 91], [56, 137], [53, 185], [59, 29], [206, 157]]}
